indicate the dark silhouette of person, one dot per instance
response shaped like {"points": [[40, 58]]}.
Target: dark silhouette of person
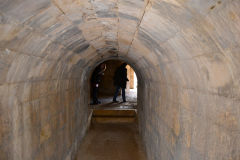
{"points": [[95, 81], [120, 81]]}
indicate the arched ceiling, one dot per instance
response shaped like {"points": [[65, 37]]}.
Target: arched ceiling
{"points": [[164, 33], [79, 24], [186, 51]]}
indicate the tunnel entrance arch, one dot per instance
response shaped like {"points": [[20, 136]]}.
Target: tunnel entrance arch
{"points": [[139, 99], [103, 87], [190, 86], [132, 66]]}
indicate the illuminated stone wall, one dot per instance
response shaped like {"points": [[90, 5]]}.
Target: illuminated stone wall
{"points": [[185, 53]]}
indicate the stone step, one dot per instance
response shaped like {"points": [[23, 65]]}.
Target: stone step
{"points": [[114, 112], [114, 116]]}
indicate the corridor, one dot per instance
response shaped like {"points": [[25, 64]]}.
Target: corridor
{"points": [[108, 141], [113, 132], [184, 53]]}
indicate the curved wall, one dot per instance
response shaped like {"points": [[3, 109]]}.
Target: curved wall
{"points": [[186, 53]]}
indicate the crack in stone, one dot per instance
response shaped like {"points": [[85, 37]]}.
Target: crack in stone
{"points": [[58, 7], [118, 26], [137, 28]]}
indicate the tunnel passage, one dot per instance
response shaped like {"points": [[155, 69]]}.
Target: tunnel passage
{"points": [[186, 53], [103, 83]]}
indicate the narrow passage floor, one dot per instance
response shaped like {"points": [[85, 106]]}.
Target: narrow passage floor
{"points": [[111, 141]]}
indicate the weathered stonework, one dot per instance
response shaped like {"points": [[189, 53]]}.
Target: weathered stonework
{"points": [[185, 53]]}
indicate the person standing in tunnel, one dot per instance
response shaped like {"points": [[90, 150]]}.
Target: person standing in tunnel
{"points": [[95, 81], [120, 81]]}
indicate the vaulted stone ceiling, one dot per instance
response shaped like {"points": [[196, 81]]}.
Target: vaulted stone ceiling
{"points": [[170, 29], [78, 25], [115, 24], [186, 54]]}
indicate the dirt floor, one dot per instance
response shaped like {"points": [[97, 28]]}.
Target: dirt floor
{"points": [[117, 141]]}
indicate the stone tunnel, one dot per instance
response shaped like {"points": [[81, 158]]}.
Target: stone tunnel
{"points": [[186, 55]]}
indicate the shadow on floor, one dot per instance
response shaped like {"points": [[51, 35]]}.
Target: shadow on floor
{"points": [[107, 103]]}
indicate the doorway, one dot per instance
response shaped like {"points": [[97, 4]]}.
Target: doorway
{"points": [[106, 88]]}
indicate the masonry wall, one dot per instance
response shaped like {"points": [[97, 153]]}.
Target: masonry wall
{"points": [[185, 53], [43, 106], [42, 117], [191, 111]]}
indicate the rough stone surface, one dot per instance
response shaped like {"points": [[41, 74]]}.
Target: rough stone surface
{"points": [[118, 141], [185, 53]]}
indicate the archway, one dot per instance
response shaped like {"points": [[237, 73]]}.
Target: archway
{"points": [[105, 82], [186, 54], [115, 122]]}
